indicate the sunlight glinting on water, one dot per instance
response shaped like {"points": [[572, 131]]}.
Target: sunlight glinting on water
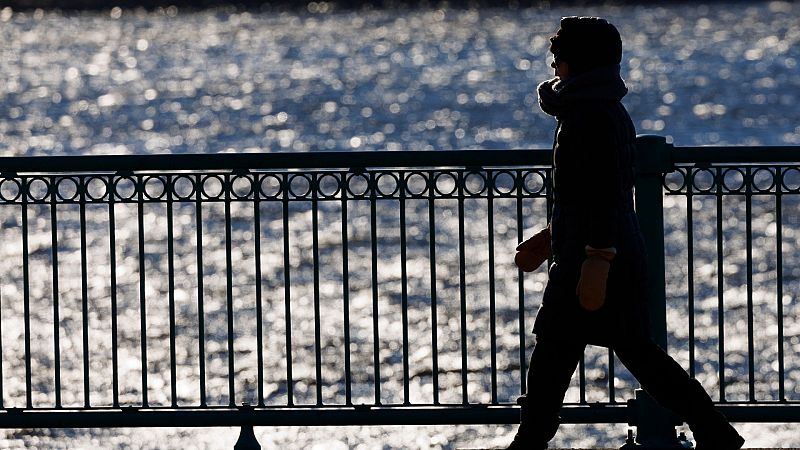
{"points": [[223, 80]]}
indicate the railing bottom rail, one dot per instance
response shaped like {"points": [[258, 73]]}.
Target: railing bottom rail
{"points": [[311, 416], [340, 416]]}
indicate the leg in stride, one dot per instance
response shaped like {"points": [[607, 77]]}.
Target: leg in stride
{"points": [[552, 364], [666, 381]]}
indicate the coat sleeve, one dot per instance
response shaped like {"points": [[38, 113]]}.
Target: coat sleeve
{"points": [[592, 138]]}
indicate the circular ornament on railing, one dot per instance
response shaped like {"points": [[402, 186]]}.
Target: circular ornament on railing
{"points": [[675, 181], [242, 186], [329, 185], [9, 189], [387, 184], [96, 188], [504, 182], [733, 179], [357, 185], [38, 189], [124, 188], [703, 180], [533, 182], [416, 184], [445, 184], [183, 187], [299, 185], [271, 186], [67, 189], [790, 180], [764, 179], [475, 183], [154, 187], [212, 186]]}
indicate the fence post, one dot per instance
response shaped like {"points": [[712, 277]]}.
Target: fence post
{"points": [[655, 425], [652, 161]]}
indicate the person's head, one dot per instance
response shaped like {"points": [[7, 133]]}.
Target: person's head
{"points": [[584, 43]]}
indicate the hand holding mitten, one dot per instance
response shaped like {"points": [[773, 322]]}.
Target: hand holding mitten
{"points": [[532, 252]]}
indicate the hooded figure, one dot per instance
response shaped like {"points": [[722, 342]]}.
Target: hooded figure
{"points": [[596, 292]]}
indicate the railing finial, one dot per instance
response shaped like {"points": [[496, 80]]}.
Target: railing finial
{"points": [[653, 155]]}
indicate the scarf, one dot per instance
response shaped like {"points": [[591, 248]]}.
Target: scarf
{"points": [[600, 84]]}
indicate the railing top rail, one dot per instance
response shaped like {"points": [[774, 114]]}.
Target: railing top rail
{"points": [[735, 154], [256, 161]]}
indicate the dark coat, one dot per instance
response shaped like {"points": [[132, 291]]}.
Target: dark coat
{"points": [[593, 176]]}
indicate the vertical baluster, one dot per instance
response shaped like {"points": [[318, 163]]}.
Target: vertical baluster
{"points": [[690, 271], [348, 389], [521, 289], [171, 293], [779, 273], [434, 322], [142, 297], [612, 392], [315, 259], [229, 290], [259, 308], [582, 379], [749, 264], [56, 312], [492, 284], [720, 286], [462, 273], [112, 255], [84, 292], [376, 339], [201, 328], [26, 293], [287, 291], [404, 288]]}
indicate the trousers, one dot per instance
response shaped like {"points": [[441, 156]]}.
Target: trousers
{"points": [[554, 361]]}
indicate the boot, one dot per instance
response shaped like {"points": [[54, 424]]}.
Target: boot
{"points": [[711, 429], [534, 430], [714, 432]]}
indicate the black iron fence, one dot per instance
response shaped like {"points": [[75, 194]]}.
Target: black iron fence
{"points": [[367, 287]]}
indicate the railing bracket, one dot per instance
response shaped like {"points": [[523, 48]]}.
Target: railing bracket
{"points": [[247, 439]]}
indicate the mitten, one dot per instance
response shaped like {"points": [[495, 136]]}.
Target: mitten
{"points": [[532, 252], [591, 289]]}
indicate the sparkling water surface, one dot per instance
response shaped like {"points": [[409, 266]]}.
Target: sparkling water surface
{"points": [[325, 78]]}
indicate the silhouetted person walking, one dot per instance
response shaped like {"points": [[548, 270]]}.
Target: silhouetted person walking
{"points": [[596, 293]]}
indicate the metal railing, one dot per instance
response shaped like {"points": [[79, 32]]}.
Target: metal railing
{"points": [[364, 288], [738, 279]]}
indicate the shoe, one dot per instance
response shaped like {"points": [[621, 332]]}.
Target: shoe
{"points": [[534, 431], [711, 429], [716, 433]]}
